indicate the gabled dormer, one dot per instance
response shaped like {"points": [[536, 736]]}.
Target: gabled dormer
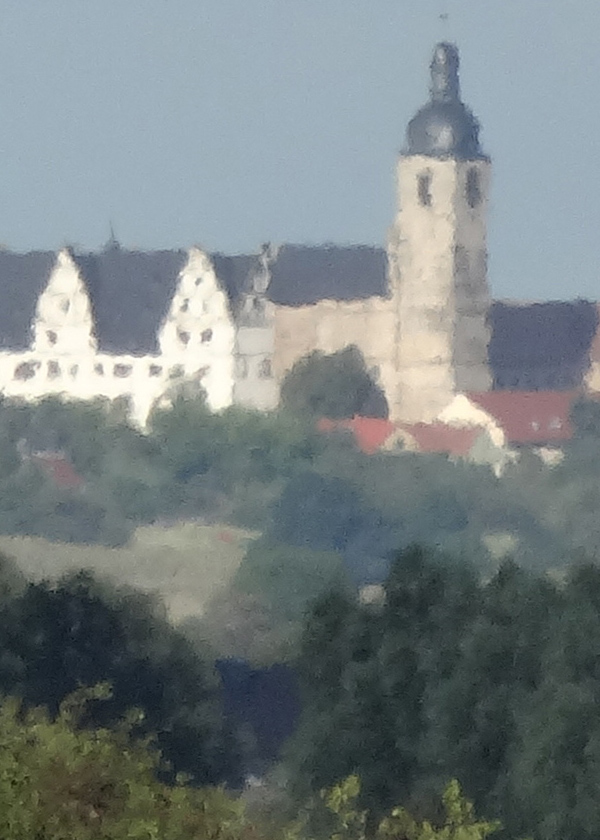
{"points": [[199, 321], [63, 323]]}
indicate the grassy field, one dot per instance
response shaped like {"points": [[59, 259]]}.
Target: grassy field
{"points": [[186, 564]]}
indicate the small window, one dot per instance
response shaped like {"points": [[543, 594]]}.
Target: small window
{"points": [[206, 336], [184, 337], [53, 370], [122, 371], [25, 370], [65, 305], [74, 370], [424, 189], [185, 305], [155, 370], [176, 372], [198, 281], [51, 336], [265, 369], [99, 369], [461, 260], [473, 188]]}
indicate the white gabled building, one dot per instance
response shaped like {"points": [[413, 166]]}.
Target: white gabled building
{"points": [[136, 326]]}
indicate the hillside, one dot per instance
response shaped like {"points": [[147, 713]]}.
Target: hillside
{"points": [[186, 564]]}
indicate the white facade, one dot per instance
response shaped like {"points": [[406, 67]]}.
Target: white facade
{"points": [[196, 340]]}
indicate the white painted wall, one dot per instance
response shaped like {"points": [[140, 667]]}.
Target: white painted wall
{"points": [[196, 345]]}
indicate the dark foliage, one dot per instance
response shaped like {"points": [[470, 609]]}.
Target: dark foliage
{"points": [[79, 633], [335, 386], [495, 684]]}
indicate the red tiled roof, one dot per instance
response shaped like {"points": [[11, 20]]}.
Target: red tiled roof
{"points": [[59, 469], [530, 416], [370, 433], [439, 437]]}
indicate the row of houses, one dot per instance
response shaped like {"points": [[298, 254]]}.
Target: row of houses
{"points": [[489, 428]]}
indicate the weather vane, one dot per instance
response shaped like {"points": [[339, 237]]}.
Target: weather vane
{"points": [[444, 14], [444, 17]]}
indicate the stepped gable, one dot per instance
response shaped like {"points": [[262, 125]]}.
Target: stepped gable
{"points": [[23, 278], [235, 273], [130, 294], [301, 275], [541, 346]]}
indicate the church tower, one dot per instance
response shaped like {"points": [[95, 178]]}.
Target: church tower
{"points": [[438, 254]]}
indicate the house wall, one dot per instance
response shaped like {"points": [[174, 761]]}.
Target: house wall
{"points": [[199, 333], [196, 346], [330, 326], [255, 382]]}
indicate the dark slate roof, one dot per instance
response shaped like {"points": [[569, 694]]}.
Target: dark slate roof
{"points": [[302, 275], [444, 127], [23, 278], [235, 273], [541, 346], [130, 293]]}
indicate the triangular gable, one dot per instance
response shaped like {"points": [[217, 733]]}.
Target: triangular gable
{"points": [[463, 411], [63, 315]]}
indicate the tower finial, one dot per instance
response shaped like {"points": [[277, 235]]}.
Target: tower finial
{"points": [[445, 85], [113, 242]]}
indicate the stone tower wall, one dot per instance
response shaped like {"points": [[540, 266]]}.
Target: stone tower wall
{"points": [[438, 275]]}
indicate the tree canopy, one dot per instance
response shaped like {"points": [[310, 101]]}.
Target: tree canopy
{"points": [[335, 386]]}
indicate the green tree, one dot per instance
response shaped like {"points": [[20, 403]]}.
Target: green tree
{"points": [[346, 820], [555, 772], [476, 703], [54, 639], [334, 386], [59, 780]]}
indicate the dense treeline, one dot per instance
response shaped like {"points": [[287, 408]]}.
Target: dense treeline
{"points": [[59, 779], [325, 511], [475, 669], [494, 683], [275, 474], [81, 632]]}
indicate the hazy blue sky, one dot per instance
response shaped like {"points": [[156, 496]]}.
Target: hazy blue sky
{"points": [[228, 123]]}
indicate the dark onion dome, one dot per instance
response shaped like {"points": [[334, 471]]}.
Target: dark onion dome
{"points": [[445, 127]]}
